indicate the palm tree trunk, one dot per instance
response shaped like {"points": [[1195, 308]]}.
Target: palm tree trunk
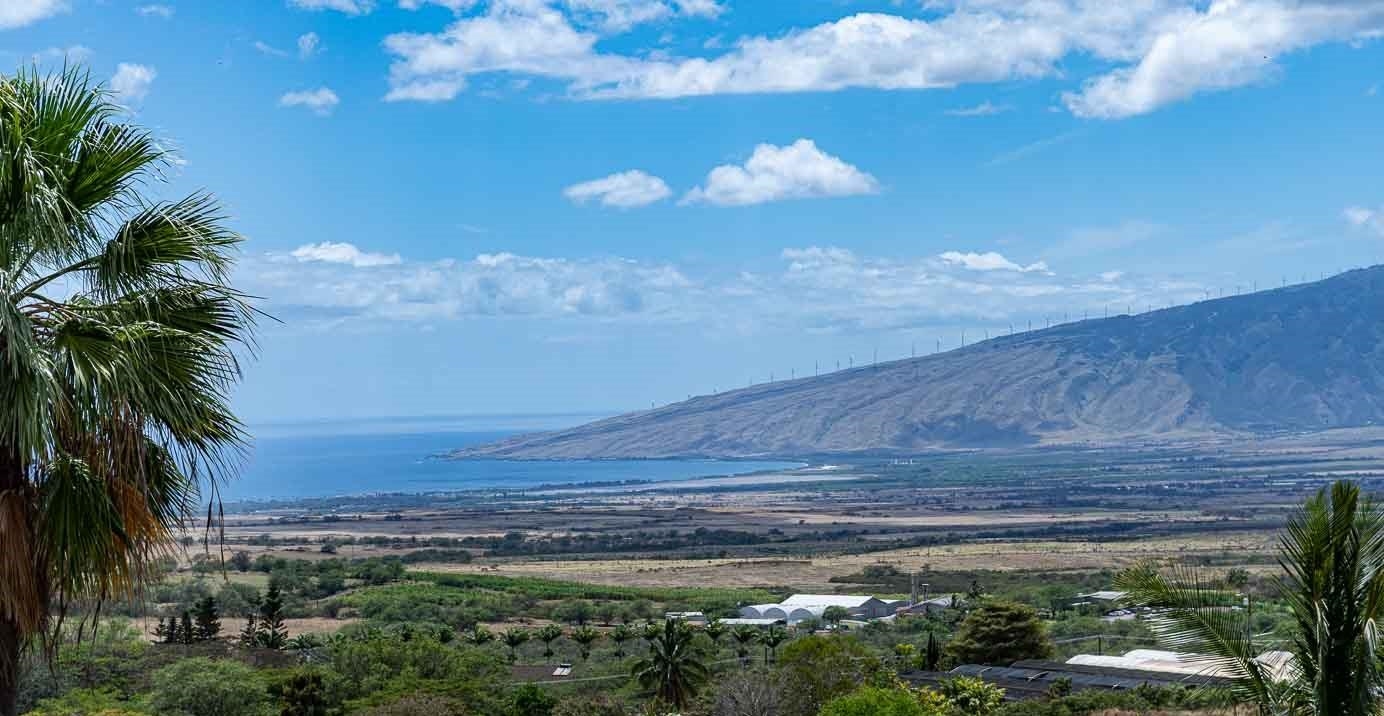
{"points": [[12, 483], [9, 667]]}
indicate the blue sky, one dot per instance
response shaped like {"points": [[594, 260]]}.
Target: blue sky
{"points": [[518, 206]]}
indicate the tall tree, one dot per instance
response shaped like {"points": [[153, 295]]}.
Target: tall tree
{"points": [[514, 638], [932, 657], [585, 636], [619, 635], [715, 630], [479, 635], [674, 669], [744, 635], [273, 634], [771, 638], [207, 618], [1332, 557], [119, 336], [548, 634], [1000, 633], [186, 632]]}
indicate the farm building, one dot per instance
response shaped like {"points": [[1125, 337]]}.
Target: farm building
{"points": [[801, 607]]}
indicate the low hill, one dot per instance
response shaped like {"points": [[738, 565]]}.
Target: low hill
{"points": [[1305, 357]]}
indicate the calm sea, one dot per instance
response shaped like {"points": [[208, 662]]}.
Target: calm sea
{"points": [[398, 455]]}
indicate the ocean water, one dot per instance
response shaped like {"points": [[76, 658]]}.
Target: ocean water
{"points": [[399, 455]]}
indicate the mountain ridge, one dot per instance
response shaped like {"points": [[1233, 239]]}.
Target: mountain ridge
{"points": [[1303, 357]]}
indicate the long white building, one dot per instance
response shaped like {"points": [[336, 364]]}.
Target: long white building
{"points": [[801, 607]]}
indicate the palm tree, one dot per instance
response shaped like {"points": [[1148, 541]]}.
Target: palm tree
{"points": [[715, 630], [621, 634], [548, 634], [1333, 582], [119, 337], [585, 636], [478, 635], [650, 632], [744, 635], [673, 669], [514, 638], [772, 637]]}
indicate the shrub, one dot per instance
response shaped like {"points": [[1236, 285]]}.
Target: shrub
{"points": [[419, 705], [874, 701], [88, 702], [207, 687]]}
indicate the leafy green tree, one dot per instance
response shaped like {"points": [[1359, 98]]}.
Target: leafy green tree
{"points": [[819, 668], [120, 339], [876, 701], [241, 561], [574, 611], [303, 693], [585, 636], [619, 635], [207, 687], [207, 619], [590, 705], [273, 634], [548, 634], [514, 638], [972, 696], [1332, 556], [744, 635], [674, 669], [835, 615], [531, 700], [1000, 633]]}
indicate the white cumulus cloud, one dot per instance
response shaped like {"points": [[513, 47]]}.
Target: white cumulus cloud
{"points": [[623, 190], [343, 253], [1231, 43], [772, 173], [1145, 54], [989, 261], [321, 100], [131, 82], [18, 13]]}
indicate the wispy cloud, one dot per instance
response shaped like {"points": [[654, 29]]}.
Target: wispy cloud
{"points": [[322, 101], [349, 7], [813, 288], [984, 109], [162, 11], [269, 49], [1032, 148], [309, 44], [624, 190], [1371, 220]]}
